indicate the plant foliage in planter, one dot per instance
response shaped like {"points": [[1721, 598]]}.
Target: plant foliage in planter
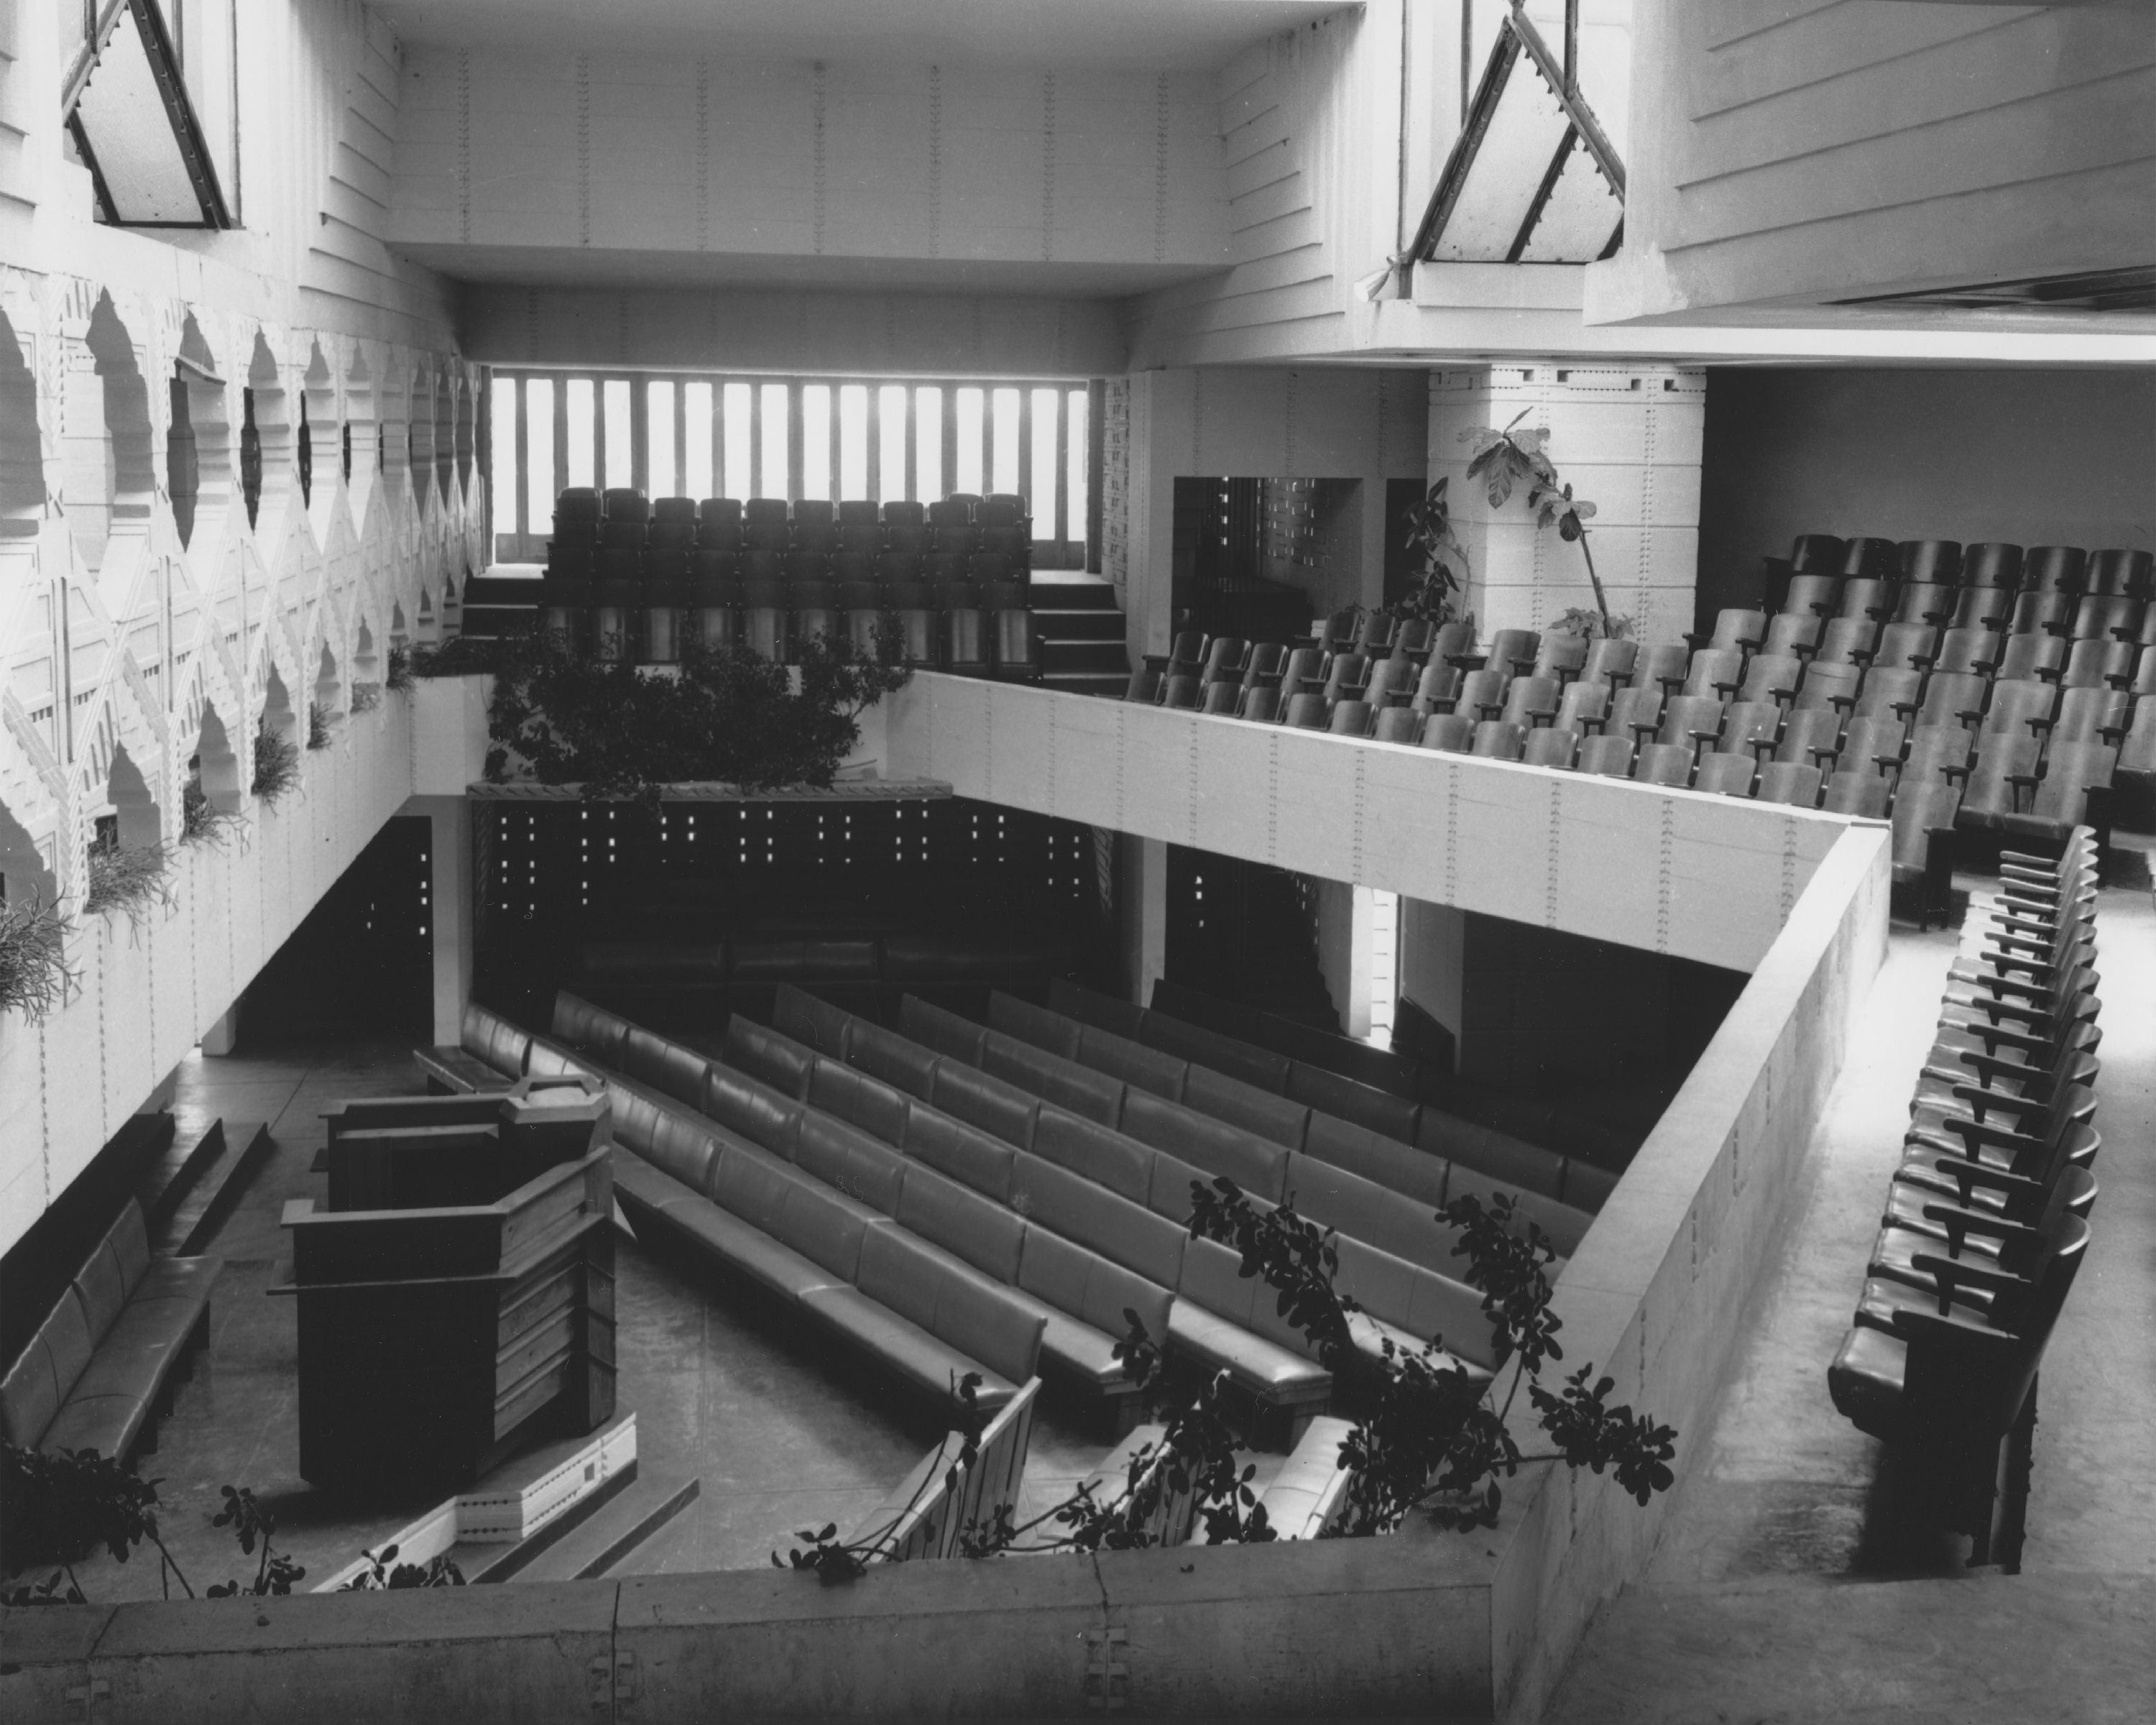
{"points": [[399, 676], [319, 725], [276, 764], [1507, 459], [1444, 578], [34, 973], [129, 880], [366, 697], [733, 717], [202, 821]]}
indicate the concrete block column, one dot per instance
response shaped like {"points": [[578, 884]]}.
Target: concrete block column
{"points": [[449, 907], [1627, 439]]}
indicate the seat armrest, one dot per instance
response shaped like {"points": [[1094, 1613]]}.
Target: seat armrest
{"points": [[1923, 661]]}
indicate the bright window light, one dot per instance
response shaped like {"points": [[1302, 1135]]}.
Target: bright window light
{"points": [[619, 472], [1005, 467], [816, 440], [972, 406], [928, 440], [1384, 961], [697, 478], [539, 422], [659, 438], [738, 451], [501, 428], [854, 441], [580, 432], [1045, 405], [774, 440], [890, 421]]}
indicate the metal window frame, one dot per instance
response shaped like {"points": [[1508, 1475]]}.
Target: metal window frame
{"points": [[179, 115]]}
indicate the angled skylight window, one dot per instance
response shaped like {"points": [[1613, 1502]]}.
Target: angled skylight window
{"points": [[127, 106], [1532, 179]]}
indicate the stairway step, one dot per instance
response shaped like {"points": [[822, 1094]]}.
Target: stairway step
{"points": [[1092, 658], [497, 1564], [216, 1188], [604, 1541], [1078, 625], [1069, 590]]}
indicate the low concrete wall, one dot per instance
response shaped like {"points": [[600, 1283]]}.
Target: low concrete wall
{"points": [[1654, 1294], [1318, 1630], [1419, 1625], [1677, 871]]}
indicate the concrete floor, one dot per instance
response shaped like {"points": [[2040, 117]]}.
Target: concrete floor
{"points": [[1786, 1587], [783, 1434]]}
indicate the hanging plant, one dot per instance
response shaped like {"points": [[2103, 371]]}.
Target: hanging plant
{"points": [[34, 973], [319, 726], [399, 675], [1444, 574], [734, 717], [128, 880], [1507, 459], [366, 697], [276, 763]]}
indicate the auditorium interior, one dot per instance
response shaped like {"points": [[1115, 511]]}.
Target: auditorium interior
{"points": [[1307, 804]]}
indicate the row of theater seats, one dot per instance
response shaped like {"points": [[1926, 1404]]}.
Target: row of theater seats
{"points": [[638, 580], [985, 1182], [1972, 729], [1985, 1224], [624, 518], [1412, 1146], [1819, 560]]}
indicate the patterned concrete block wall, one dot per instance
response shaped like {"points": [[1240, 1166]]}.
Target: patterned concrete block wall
{"points": [[1627, 439], [130, 648]]}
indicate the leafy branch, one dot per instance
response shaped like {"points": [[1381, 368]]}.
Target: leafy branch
{"points": [[252, 1525], [34, 972], [1444, 568], [1506, 459]]}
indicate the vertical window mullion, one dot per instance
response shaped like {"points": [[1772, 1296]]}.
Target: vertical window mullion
{"points": [[560, 417], [598, 433], [875, 479], [520, 510], [950, 436], [1060, 419], [718, 437], [1025, 446], [756, 439], [837, 484], [796, 439], [1096, 449], [680, 438], [639, 434], [912, 486]]}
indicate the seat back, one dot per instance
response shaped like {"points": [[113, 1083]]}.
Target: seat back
{"points": [[1937, 754], [1789, 782], [2028, 657], [1739, 628], [1305, 669], [1499, 739], [2107, 616], [1267, 661], [1919, 811], [1924, 602], [1413, 637], [1716, 671], [1261, 705], [1551, 746], [1512, 650], [1820, 552], [1346, 676], [1847, 640], [1691, 722], [1965, 648], [2036, 613], [1562, 656], [1452, 732], [1182, 691], [1769, 675], [1398, 724], [1983, 607], [2053, 569], [1225, 656], [1750, 728], [2072, 770], [1481, 694], [1633, 713], [1350, 718], [2119, 571], [1910, 645], [1664, 763], [1221, 698], [2100, 665], [1726, 775], [1792, 635], [1663, 667], [2002, 774], [2020, 708], [1582, 706], [1809, 735], [1533, 700], [1438, 688], [1871, 745], [1938, 560], [1393, 680], [1608, 755], [2091, 715], [1452, 640], [1609, 661], [1305, 712], [1856, 791], [1992, 565], [1871, 556]]}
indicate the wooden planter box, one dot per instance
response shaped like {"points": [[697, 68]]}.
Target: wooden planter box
{"points": [[434, 1338]]}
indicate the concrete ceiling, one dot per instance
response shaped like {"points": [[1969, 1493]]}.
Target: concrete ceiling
{"points": [[1189, 35]]}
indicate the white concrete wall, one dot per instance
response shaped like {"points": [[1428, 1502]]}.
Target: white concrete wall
{"points": [[669, 159], [1626, 438], [1705, 877], [1790, 155]]}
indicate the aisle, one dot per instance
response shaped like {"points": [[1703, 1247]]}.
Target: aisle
{"points": [[1784, 1587]]}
